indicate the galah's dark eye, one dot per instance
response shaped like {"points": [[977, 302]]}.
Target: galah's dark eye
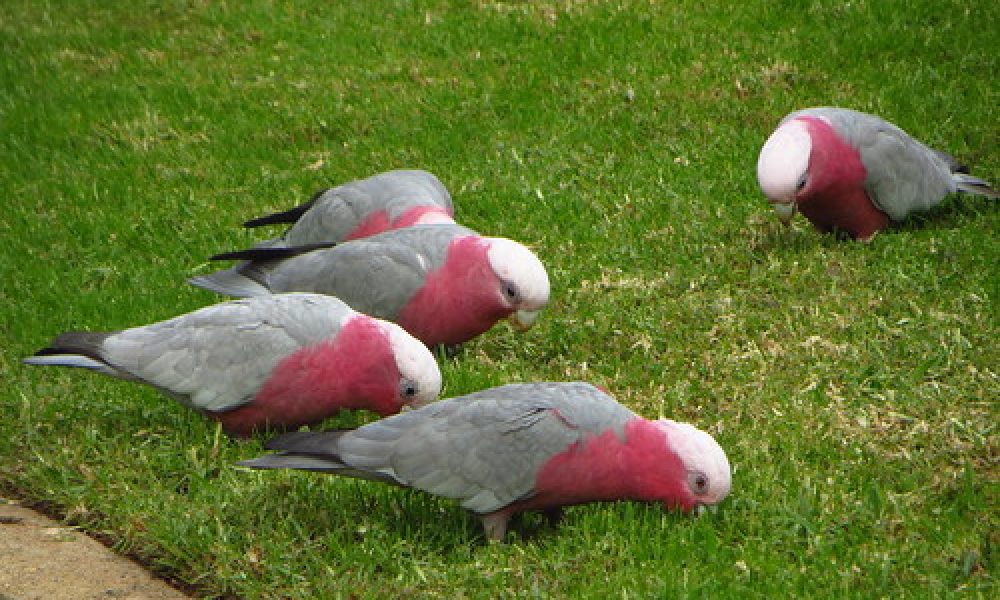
{"points": [[407, 389], [699, 482], [801, 184], [510, 291]]}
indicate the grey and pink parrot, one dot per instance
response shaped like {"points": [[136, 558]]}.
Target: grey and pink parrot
{"points": [[854, 172], [267, 362], [445, 284], [364, 207], [520, 447]]}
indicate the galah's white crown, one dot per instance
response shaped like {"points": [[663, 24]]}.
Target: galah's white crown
{"points": [[415, 362], [784, 161], [514, 263], [701, 455]]}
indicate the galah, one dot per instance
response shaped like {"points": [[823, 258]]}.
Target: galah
{"points": [[854, 172], [357, 209], [267, 362], [520, 447], [445, 284]]}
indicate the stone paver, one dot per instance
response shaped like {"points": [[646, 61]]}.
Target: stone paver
{"points": [[41, 559]]}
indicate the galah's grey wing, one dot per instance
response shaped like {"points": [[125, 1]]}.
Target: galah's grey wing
{"points": [[487, 452], [333, 214], [423, 186], [216, 358], [393, 191], [431, 241], [904, 175], [377, 275], [483, 449], [375, 278]]}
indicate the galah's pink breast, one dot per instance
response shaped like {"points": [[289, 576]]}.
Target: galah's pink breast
{"points": [[354, 370], [460, 300], [835, 196], [376, 222], [606, 468]]}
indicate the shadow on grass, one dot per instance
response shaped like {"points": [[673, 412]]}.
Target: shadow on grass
{"points": [[952, 212], [766, 235]]}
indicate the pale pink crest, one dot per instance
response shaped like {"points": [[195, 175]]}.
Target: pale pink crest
{"points": [[709, 474], [784, 161]]}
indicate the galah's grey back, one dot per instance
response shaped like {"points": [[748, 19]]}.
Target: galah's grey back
{"points": [[376, 275], [333, 214], [903, 174], [483, 449], [216, 358]]}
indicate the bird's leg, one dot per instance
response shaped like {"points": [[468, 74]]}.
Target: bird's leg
{"points": [[553, 515], [495, 525]]}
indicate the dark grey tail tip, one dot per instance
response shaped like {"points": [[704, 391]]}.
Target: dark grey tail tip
{"points": [[983, 189], [47, 351], [266, 253], [275, 219], [234, 255], [258, 222], [286, 216]]}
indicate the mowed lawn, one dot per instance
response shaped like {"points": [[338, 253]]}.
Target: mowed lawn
{"points": [[853, 386]]}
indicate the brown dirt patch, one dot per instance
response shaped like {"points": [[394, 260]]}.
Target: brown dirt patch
{"points": [[41, 559]]}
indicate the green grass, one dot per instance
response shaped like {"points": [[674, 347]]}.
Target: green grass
{"points": [[853, 386]]}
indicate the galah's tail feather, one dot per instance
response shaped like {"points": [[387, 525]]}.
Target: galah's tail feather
{"points": [[974, 185], [264, 253], [230, 282], [81, 349], [287, 216]]}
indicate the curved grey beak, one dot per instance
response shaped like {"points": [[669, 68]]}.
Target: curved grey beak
{"points": [[784, 210], [522, 320]]}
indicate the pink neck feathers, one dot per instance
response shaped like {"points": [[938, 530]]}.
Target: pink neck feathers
{"points": [[354, 370], [606, 468], [460, 300], [834, 196], [422, 214], [378, 221]]}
